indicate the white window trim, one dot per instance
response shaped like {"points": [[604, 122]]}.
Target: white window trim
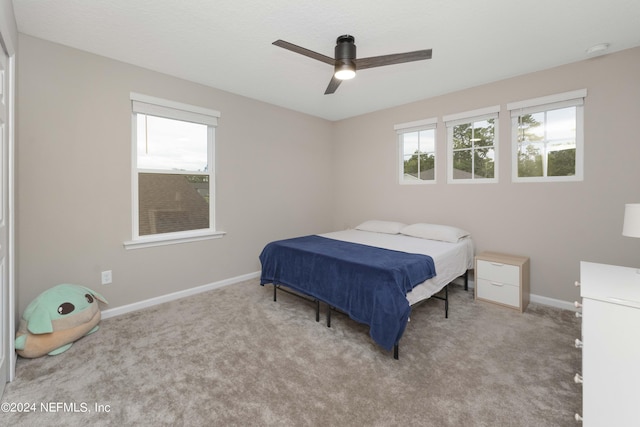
{"points": [[468, 116], [415, 126], [561, 100], [550, 99], [144, 104], [160, 107], [172, 238], [452, 120]]}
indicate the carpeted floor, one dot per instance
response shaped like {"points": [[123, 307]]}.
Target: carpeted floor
{"points": [[234, 357]]}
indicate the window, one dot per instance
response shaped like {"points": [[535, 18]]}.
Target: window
{"points": [[173, 178], [417, 148], [547, 136], [473, 144]]}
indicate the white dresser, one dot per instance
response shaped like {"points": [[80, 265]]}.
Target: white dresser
{"points": [[610, 345]]}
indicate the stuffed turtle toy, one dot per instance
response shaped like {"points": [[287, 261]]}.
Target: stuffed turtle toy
{"points": [[56, 318]]}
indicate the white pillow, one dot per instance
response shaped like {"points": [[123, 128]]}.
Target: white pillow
{"points": [[443, 233], [388, 227]]}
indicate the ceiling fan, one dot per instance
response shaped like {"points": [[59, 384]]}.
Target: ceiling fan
{"points": [[345, 62]]}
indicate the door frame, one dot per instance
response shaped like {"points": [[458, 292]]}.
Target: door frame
{"points": [[8, 43]]}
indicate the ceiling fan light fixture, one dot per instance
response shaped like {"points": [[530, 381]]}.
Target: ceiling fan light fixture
{"points": [[345, 70], [345, 61]]}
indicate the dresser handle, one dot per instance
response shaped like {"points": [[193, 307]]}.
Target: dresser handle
{"points": [[576, 284], [577, 304], [578, 314], [497, 284], [497, 264], [578, 417], [578, 379], [578, 343]]}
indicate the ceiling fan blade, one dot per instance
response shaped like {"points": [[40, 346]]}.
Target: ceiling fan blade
{"points": [[333, 85], [306, 52], [396, 58]]}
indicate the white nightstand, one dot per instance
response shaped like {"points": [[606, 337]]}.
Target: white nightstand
{"points": [[502, 279]]}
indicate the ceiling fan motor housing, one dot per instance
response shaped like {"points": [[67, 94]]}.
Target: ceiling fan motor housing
{"points": [[345, 51]]}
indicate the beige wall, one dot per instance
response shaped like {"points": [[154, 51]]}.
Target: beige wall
{"points": [[282, 174], [74, 190], [8, 25], [555, 224]]}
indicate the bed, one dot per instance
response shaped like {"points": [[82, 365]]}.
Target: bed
{"points": [[375, 273]]}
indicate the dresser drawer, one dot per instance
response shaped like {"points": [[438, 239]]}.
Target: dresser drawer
{"points": [[495, 291], [498, 272]]}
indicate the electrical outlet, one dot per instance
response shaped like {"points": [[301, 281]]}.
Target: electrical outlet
{"points": [[106, 277]]}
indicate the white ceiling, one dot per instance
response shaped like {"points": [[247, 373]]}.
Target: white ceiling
{"points": [[226, 44]]}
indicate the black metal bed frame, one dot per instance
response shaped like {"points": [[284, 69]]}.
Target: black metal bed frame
{"points": [[396, 347], [299, 295]]}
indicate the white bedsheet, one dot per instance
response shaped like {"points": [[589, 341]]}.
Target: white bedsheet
{"points": [[451, 259]]}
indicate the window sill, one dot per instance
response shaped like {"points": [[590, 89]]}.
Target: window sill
{"points": [[418, 182], [570, 178], [473, 181], [172, 239]]}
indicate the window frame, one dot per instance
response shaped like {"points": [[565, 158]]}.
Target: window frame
{"points": [[544, 104], [410, 127], [152, 106], [469, 117]]}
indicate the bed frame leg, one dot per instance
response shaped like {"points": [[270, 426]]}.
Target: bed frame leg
{"points": [[466, 280], [328, 316], [446, 302], [317, 310], [275, 288], [395, 351]]}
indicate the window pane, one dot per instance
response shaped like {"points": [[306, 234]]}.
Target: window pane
{"points": [[484, 163], [462, 135], [531, 127], [561, 124], [166, 144], [427, 167], [410, 143], [418, 149], [530, 159], [171, 202], [419, 166], [427, 141], [562, 162], [483, 133], [462, 165]]}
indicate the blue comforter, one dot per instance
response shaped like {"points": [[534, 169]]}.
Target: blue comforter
{"points": [[370, 284]]}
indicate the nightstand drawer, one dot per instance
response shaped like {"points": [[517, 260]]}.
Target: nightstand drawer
{"points": [[498, 272], [502, 293]]}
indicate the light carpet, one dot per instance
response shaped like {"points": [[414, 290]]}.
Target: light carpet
{"points": [[233, 356]]}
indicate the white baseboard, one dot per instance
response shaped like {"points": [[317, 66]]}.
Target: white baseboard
{"points": [[537, 299], [552, 302], [112, 312], [117, 311]]}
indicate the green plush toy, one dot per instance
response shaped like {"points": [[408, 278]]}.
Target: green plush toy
{"points": [[56, 318]]}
